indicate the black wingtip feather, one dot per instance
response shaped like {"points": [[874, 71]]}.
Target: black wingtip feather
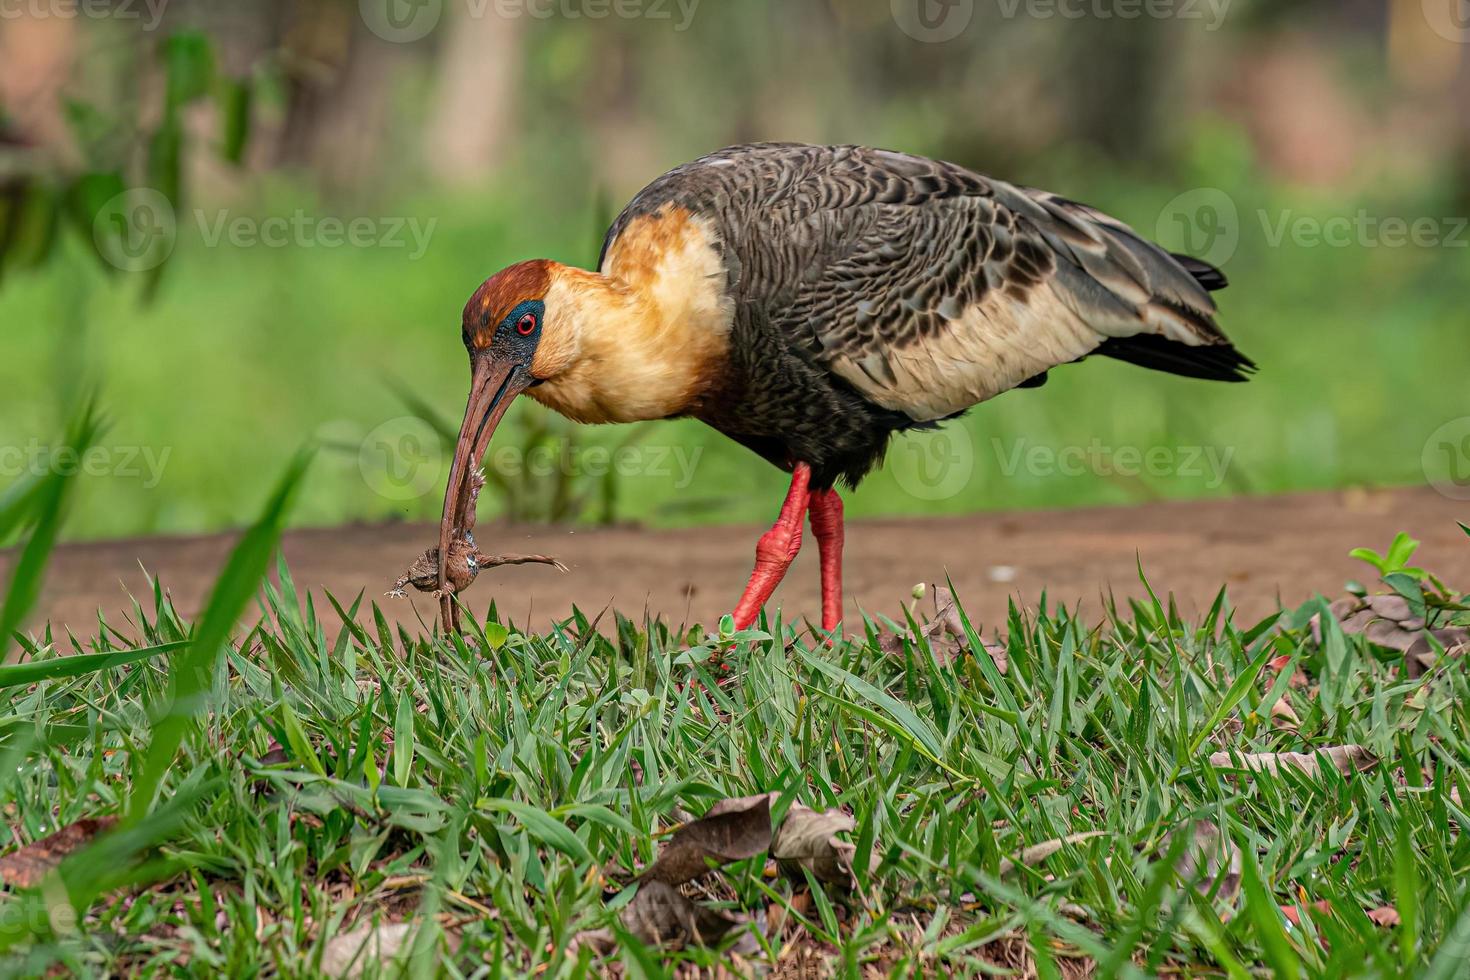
{"points": [[1213, 362], [1205, 274]]}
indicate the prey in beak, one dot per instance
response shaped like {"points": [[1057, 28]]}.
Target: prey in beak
{"points": [[493, 386], [465, 560], [502, 326]]}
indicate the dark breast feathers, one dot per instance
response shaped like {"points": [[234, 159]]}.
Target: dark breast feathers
{"points": [[877, 291]]}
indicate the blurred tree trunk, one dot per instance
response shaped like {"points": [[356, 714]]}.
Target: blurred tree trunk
{"points": [[1119, 70], [339, 95], [1462, 150], [472, 121]]}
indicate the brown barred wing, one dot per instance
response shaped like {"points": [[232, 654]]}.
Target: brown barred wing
{"points": [[931, 302]]}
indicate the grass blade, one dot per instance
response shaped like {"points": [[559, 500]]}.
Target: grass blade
{"points": [[232, 592], [543, 826], [919, 729], [1237, 690], [1266, 921], [47, 503], [54, 668]]}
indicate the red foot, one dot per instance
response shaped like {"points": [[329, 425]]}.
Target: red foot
{"points": [[826, 518], [776, 549]]}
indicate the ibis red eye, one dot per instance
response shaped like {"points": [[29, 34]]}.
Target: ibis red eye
{"points": [[526, 325]]}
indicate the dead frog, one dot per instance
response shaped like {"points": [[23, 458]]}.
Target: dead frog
{"points": [[465, 563], [465, 559]]}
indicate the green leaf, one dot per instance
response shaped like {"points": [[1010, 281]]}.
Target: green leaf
{"points": [[54, 668], [1337, 661], [1401, 550], [919, 729], [1453, 959], [17, 503], [543, 826], [1399, 553], [188, 61], [165, 175], [28, 225], [109, 863], [87, 196], [1233, 695], [1370, 556], [1406, 894], [403, 739], [236, 97], [599, 815], [496, 635], [300, 744], [1266, 921], [47, 503]]}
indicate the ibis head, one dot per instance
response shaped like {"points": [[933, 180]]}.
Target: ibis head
{"points": [[594, 347], [504, 322]]}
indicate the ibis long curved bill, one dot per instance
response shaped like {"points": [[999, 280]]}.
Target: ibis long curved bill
{"points": [[494, 384]]}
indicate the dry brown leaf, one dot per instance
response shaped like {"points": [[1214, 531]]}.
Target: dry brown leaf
{"points": [[26, 866], [946, 615], [890, 643], [947, 621], [1283, 715], [1385, 915], [1389, 635], [732, 830], [1293, 913], [1037, 853], [1210, 856], [1381, 617], [1421, 655], [945, 632], [600, 941], [1395, 607], [661, 915], [807, 839], [1346, 759], [1388, 621], [351, 953]]}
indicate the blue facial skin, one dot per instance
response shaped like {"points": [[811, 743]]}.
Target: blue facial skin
{"points": [[507, 342], [510, 343]]}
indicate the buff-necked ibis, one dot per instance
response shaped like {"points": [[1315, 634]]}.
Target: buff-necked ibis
{"points": [[811, 301]]}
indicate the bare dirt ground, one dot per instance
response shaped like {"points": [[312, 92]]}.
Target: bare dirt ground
{"points": [[1264, 550]]}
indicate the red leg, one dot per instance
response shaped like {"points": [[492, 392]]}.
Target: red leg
{"points": [[826, 517], [776, 549]]}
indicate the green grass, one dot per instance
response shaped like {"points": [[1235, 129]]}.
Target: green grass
{"points": [[247, 351], [499, 790]]}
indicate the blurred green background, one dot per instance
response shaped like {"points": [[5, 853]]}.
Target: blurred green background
{"points": [[1288, 143]]}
